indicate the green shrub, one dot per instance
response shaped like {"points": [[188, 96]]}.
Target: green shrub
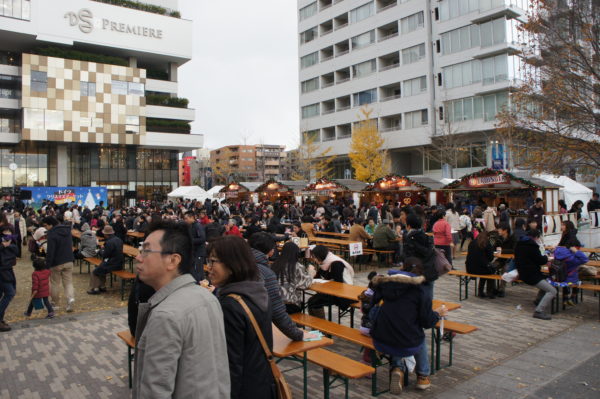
{"points": [[157, 74], [167, 125], [142, 7], [166, 101], [70, 54]]}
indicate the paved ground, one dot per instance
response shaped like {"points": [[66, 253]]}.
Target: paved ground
{"points": [[79, 355]]}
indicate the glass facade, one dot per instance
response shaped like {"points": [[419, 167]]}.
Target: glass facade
{"points": [[19, 9]]}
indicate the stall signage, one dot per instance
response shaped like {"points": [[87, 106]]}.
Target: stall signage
{"points": [[231, 194], [355, 248], [486, 180]]}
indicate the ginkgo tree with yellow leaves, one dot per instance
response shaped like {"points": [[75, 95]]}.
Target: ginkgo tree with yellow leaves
{"points": [[367, 155]]}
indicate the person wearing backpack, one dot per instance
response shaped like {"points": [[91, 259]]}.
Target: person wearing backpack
{"points": [[571, 258]]}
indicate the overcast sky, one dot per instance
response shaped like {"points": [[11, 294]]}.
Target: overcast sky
{"points": [[242, 79]]}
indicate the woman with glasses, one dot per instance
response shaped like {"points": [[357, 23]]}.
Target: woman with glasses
{"points": [[232, 270]]}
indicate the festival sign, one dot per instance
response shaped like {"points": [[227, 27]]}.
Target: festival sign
{"points": [[487, 180], [82, 196]]}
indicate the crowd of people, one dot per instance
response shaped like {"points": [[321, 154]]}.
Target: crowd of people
{"points": [[211, 278]]}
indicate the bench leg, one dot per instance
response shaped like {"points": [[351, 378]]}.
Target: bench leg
{"points": [[351, 317], [325, 383], [432, 356], [129, 361], [305, 374], [122, 289]]}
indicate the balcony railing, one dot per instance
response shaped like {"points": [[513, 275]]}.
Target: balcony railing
{"points": [[344, 108], [392, 66], [390, 98], [342, 81], [341, 26], [342, 53], [328, 111], [327, 58], [388, 36], [390, 128], [327, 84], [387, 7]]}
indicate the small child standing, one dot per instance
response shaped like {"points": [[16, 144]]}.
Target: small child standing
{"points": [[40, 287]]}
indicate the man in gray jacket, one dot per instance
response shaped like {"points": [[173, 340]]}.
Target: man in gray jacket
{"points": [[181, 350]]}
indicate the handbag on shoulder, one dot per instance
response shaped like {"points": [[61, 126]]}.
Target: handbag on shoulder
{"points": [[283, 390]]}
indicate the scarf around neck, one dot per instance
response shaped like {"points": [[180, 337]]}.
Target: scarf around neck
{"points": [[330, 258]]}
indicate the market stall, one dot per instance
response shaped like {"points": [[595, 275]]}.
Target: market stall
{"points": [[326, 189], [494, 187], [235, 191], [273, 190], [394, 189]]}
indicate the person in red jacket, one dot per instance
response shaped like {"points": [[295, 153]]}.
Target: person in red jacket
{"points": [[231, 229], [40, 287], [442, 235]]}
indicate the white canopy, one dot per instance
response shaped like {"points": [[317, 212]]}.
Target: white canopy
{"points": [[187, 192], [572, 191]]}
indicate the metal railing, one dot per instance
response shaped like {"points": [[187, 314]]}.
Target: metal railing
{"points": [[387, 37], [392, 66]]}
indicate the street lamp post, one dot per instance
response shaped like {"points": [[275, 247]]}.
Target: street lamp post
{"points": [[13, 166]]}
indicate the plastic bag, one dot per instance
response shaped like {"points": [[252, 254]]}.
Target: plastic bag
{"points": [[511, 276]]}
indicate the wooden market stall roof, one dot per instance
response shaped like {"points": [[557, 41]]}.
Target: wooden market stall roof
{"points": [[428, 182], [273, 186], [325, 185], [235, 186], [295, 185], [491, 179], [535, 180], [396, 183]]}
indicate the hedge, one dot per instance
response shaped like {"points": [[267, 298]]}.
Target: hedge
{"points": [[80, 55], [142, 6], [166, 101]]}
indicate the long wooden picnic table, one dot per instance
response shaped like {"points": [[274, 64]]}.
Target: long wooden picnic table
{"points": [[595, 263], [333, 234], [335, 241], [285, 348]]}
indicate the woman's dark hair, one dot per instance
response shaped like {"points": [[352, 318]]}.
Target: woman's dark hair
{"points": [[306, 219], [234, 252], [176, 239], [50, 220], [39, 263], [504, 226], [562, 204], [413, 221], [482, 239], [413, 265], [285, 265], [320, 252], [297, 224], [450, 206], [570, 227]]}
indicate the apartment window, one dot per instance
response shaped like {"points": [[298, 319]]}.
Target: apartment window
{"points": [[309, 60], [309, 35], [455, 8], [308, 11], [310, 111], [88, 89], [413, 54], [494, 69], [363, 40], [412, 22], [478, 107], [39, 81], [415, 86], [460, 39], [462, 74], [310, 85], [362, 12], [415, 119], [43, 119], [493, 32], [364, 97], [132, 124], [364, 68], [15, 8], [311, 135]]}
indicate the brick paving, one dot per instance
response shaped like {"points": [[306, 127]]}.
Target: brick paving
{"points": [[79, 356]]}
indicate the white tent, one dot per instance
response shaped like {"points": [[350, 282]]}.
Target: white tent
{"points": [[446, 181], [187, 192], [571, 191]]}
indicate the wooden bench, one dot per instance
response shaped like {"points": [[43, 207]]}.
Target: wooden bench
{"points": [[464, 278], [125, 277], [130, 342], [90, 261], [452, 327], [342, 367]]}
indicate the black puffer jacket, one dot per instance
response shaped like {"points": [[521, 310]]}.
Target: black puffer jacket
{"points": [[112, 254], [60, 246], [478, 259], [417, 244], [529, 260], [249, 370], [405, 312]]}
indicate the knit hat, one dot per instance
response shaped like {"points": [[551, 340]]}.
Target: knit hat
{"points": [[85, 227], [39, 233], [108, 230], [68, 216]]}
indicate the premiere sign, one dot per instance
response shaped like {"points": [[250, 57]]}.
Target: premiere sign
{"points": [[84, 20], [487, 180]]}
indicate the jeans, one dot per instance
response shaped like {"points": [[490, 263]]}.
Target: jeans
{"points": [[7, 293], [545, 295], [421, 358]]}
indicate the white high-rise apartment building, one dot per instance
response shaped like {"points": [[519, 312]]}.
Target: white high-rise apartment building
{"points": [[426, 68], [88, 95]]}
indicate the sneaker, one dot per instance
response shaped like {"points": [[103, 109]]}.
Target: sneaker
{"points": [[50, 315], [396, 381], [4, 327], [26, 314], [94, 291], [570, 303], [541, 316], [423, 382], [70, 303]]}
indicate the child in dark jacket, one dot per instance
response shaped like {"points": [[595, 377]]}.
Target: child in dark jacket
{"points": [[40, 287]]}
